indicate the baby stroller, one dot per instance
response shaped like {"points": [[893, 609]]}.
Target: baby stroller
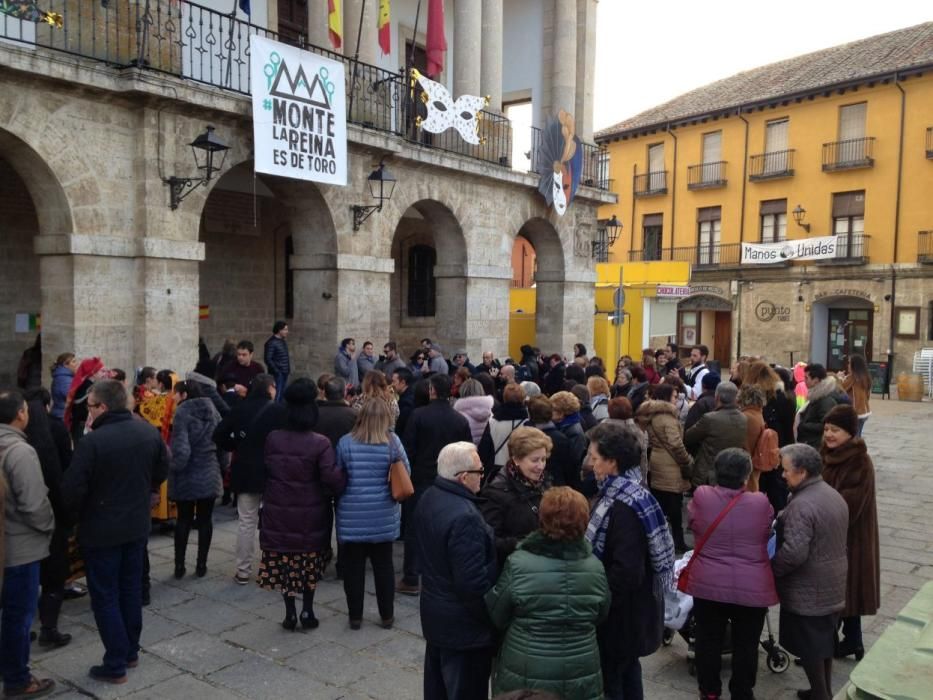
{"points": [[679, 619]]}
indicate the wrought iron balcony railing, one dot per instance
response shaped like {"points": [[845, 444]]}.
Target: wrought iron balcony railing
{"points": [[707, 255], [851, 249], [649, 184], [193, 42], [706, 176], [849, 154], [593, 171], [925, 246], [770, 166]]}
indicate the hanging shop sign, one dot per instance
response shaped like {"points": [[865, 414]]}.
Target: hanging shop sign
{"points": [[805, 249], [767, 311], [672, 291], [299, 113]]}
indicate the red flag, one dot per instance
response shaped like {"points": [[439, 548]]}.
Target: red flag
{"points": [[335, 22], [436, 41], [385, 27]]}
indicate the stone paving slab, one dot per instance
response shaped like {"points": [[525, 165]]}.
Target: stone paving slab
{"points": [[208, 638]]}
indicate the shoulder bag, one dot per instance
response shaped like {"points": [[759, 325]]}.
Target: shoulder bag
{"points": [[399, 480], [684, 579]]}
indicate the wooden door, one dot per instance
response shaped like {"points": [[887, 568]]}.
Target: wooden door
{"points": [[722, 338]]}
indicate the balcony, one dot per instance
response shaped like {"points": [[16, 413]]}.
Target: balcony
{"points": [[849, 154], [196, 43], [771, 166], [708, 256], [706, 176], [851, 249], [593, 172], [930, 142], [925, 247], [650, 184]]}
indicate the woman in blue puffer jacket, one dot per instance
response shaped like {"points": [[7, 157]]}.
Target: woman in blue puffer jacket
{"points": [[368, 518], [63, 371]]}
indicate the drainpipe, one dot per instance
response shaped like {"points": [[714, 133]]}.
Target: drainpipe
{"points": [[744, 180], [673, 187], [632, 226], [897, 222]]}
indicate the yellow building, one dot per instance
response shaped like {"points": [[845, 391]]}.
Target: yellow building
{"points": [[835, 143]]}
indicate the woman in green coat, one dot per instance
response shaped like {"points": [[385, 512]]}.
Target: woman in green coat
{"points": [[549, 598]]}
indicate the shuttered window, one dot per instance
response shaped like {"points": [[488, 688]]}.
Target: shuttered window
{"points": [[773, 220], [421, 283], [712, 147], [708, 233], [776, 135], [849, 204], [852, 121]]}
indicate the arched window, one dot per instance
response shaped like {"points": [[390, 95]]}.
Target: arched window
{"points": [[421, 285]]}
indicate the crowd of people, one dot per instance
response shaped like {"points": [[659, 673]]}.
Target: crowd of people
{"points": [[544, 522]]}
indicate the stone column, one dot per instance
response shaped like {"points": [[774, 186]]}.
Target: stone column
{"points": [[468, 32], [472, 309], [586, 68], [491, 77], [318, 29], [564, 64], [369, 46]]}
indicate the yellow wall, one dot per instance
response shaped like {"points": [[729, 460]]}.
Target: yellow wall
{"points": [[812, 123], [522, 305]]}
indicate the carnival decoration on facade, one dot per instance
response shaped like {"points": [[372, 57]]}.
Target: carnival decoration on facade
{"points": [[445, 113], [29, 12], [560, 161]]}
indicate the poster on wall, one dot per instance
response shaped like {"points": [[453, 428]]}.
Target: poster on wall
{"points": [[806, 249], [299, 113]]}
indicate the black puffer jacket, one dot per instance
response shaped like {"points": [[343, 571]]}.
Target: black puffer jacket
{"points": [[430, 429], [195, 472], [275, 355], [243, 431], [457, 554], [511, 510]]}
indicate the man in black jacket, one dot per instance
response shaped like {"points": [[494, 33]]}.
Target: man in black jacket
{"points": [[403, 384], [706, 402], [243, 431], [275, 355], [114, 470], [457, 551], [429, 430]]}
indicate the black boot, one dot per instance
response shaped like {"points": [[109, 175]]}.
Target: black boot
{"points": [[308, 620], [291, 617], [53, 638]]}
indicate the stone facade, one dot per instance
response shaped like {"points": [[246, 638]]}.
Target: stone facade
{"points": [[117, 273]]}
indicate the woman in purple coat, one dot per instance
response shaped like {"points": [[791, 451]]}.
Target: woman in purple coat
{"points": [[301, 479], [731, 579]]}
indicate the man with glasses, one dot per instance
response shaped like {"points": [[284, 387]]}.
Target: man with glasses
{"points": [[114, 470], [457, 552], [391, 361]]}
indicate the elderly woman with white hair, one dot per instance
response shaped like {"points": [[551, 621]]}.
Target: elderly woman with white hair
{"points": [[810, 566], [457, 554]]}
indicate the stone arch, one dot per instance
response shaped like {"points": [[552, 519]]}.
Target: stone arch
{"points": [[430, 224], [265, 238], [550, 276], [33, 204]]}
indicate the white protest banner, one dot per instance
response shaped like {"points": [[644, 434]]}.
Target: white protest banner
{"points": [[299, 113], [805, 249]]}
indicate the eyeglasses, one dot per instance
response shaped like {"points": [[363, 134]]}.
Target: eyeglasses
{"points": [[92, 405], [470, 471]]}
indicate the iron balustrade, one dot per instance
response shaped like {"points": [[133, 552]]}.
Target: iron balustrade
{"points": [[193, 42], [707, 255], [706, 175], [767, 166], [851, 249], [594, 173], [930, 142], [848, 154], [925, 246], [648, 184]]}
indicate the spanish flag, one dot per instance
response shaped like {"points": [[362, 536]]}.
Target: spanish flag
{"points": [[335, 22], [385, 27], [436, 42]]}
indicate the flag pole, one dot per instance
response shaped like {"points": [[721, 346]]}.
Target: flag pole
{"points": [[356, 60], [409, 64], [230, 44]]}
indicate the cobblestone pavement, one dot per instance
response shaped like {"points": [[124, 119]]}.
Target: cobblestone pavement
{"points": [[209, 638]]}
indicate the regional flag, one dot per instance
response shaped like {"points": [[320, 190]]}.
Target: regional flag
{"points": [[335, 22], [385, 27], [436, 43]]}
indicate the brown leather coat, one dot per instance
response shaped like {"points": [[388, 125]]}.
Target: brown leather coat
{"points": [[850, 471]]}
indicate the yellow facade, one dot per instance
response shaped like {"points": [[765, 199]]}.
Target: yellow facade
{"points": [[812, 122]]}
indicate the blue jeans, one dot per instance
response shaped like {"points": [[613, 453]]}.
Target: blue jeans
{"points": [[19, 600], [861, 425], [281, 381], [114, 580], [454, 674]]}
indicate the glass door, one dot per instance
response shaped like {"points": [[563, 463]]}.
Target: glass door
{"points": [[849, 333]]}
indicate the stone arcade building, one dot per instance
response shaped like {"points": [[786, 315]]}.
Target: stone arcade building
{"points": [[87, 137]]}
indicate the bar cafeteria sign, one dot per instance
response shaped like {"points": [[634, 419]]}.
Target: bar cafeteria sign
{"points": [[299, 113], [805, 249]]}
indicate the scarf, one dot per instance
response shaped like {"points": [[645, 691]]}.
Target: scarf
{"points": [[627, 489], [87, 368], [513, 472], [572, 419]]}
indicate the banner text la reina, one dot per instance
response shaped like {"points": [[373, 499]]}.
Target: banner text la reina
{"points": [[299, 113]]}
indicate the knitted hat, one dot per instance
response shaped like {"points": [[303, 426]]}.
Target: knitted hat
{"points": [[843, 416]]}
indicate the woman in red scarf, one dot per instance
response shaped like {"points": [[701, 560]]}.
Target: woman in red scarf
{"points": [[89, 371]]}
